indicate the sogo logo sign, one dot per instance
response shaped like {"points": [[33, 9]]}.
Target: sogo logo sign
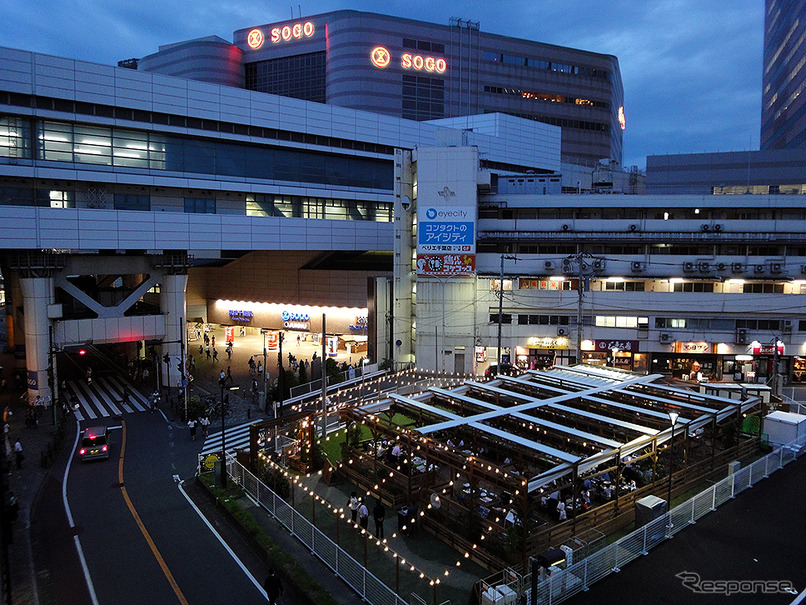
{"points": [[291, 316], [285, 33], [381, 58]]}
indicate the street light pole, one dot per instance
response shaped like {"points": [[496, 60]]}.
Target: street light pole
{"points": [[223, 442], [673, 416]]}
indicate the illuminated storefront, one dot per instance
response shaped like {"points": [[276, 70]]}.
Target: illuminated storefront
{"points": [[349, 323]]}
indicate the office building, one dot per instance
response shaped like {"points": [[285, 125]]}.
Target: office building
{"points": [[783, 109], [418, 71]]}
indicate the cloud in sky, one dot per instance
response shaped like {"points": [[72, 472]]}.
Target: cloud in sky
{"points": [[691, 70]]}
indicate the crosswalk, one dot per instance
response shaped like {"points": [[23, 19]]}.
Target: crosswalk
{"points": [[104, 397], [236, 438]]}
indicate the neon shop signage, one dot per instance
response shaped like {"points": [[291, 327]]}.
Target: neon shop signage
{"points": [[282, 33], [381, 57]]}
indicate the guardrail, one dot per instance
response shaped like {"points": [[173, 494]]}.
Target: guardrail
{"points": [[368, 586], [579, 576]]}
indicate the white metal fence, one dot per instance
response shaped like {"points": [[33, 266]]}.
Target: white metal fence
{"points": [[577, 577], [344, 565]]}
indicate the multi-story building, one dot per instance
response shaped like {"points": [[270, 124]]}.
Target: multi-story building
{"points": [[686, 285], [133, 201], [783, 104], [418, 71]]}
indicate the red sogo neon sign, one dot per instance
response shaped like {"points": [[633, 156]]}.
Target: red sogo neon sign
{"points": [[381, 58], [296, 31], [284, 33], [418, 62]]}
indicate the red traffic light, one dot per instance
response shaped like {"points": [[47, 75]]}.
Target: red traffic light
{"points": [[82, 351]]}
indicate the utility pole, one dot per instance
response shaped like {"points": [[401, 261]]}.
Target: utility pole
{"points": [[501, 305], [580, 296]]}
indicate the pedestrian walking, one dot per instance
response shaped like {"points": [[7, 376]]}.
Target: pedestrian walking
{"points": [[207, 351], [273, 586], [259, 367], [229, 352], [192, 427], [212, 341], [18, 455], [204, 421], [229, 374], [221, 378], [379, 514], [7, 414], [89, 375], [363, 515], [353, 504], [215, 354]]}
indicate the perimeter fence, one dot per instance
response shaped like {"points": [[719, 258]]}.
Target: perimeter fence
{"points": [[577, 577]]}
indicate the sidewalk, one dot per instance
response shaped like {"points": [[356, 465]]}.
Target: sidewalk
{"points": [[25, 482]]}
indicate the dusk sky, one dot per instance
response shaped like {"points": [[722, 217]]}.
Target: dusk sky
{"points": [[691, 70]]}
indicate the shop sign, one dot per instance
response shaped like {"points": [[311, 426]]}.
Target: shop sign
{"points": [[332, 346], [546, 342], [33, 380], [767, 349], [296, 325], [381, 57], [621, 361], [691, 347], [446, 228], [481, 354], [240, 315], [294, 316], [446, 265], [628, 346], [273, 341], [361, 323]]}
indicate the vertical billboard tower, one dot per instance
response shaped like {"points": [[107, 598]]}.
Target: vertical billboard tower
{"points": [[438, 233]]}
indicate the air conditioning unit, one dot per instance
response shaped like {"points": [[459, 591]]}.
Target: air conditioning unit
{"points": [[688, 267], [638, 266], [717, 227], [739, 267], [705, 227], [759, 269], [786, 325], [705, 266], [665, 338], [776, 267], [568, 266], [549, 264], [741, 336], [803, 268], [565, 227], [562, 331], [633, 227], [599, 264]]}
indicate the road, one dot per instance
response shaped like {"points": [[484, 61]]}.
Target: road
{"points": [[142, 540]]}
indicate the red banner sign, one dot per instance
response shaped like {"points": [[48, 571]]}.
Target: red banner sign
{"points": [[446, 265]]}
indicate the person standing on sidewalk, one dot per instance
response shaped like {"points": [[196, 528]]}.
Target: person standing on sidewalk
{"points": [[363, 515], [192, 427], [379, 514], [18, 455], [353, 503], [273, 586]]}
